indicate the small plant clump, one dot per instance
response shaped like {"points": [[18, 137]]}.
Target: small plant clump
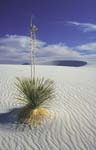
{"points": [[34, 93]]}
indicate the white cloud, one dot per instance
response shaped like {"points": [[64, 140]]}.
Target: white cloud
{"points": [[87, 47], [16, 49], [60, 49], [86, 27], [90, 58]]}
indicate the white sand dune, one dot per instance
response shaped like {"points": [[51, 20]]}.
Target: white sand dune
{"points": [[72, 124]]}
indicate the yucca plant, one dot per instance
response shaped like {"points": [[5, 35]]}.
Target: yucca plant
{"points": [[34, 93]]}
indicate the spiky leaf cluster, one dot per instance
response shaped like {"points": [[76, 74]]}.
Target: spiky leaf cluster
{"points": [[34, 92]]}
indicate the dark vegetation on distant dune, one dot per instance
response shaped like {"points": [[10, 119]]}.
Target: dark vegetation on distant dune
{"points": [[70, 63]]}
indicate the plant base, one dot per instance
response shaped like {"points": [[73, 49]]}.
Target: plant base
{"points": [[32, 117]]}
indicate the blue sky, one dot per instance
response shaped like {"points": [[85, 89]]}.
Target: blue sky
{"points": [[67, 29]]}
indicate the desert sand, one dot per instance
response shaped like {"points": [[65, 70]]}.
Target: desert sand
{"points": [[72, 121]]}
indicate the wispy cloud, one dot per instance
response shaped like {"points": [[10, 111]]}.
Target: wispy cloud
{"points": [[86, 27], [87, 47]]}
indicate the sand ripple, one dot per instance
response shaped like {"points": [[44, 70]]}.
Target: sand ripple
{"points": [[72, 121]]}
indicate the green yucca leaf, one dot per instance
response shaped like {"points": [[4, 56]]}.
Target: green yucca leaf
{"points": [[34, 92]]}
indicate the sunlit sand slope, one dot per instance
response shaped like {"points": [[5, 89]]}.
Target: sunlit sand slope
{"points": [[72, 121]]}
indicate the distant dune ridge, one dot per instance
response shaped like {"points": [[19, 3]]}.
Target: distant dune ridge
{"points": [[71, 63], [72, 122]]}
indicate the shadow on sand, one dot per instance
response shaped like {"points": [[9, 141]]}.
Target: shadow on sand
{"points": [[9, 121], [9, 117]]}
